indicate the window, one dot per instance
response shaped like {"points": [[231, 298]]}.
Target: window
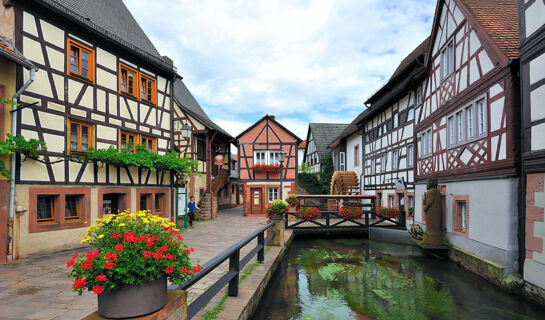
{"points": [[342, 161], [367, 137], [460, 222], [481, 117], [451, 131], [391, 202], [149, 143], [410, 114], [127, 81], [158, 205], [73, 206], [426, 143], [384, 128], [201, 149], [128, 140], [373, 165], [148, 90], [395, 159], [383, 163], [410, 156], [81, 136], [459, 127], [357, 155], [469, 122], [45, 208], [259, 157], [418, 96], [274, 157], [379, 131], [396, 119], [447, 60], [145, 201], [273, 194], [81, 61]]}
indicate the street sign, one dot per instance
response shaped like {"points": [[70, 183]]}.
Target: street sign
{"points": [[219, 160]]}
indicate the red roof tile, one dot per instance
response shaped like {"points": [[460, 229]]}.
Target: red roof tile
{"points": [[302, 145], [499, 19]]}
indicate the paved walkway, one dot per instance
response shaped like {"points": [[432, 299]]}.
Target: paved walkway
{"points": [[37, 288]]}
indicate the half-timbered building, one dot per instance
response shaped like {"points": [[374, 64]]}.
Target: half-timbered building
{"points": [[388, 130], [10, 59], [262, 144], [101, 84], [532, 76], [213, 189], [467, 127], [319, 137]]}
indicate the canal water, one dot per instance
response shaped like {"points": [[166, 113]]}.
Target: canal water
{"points": [[364, 279]]}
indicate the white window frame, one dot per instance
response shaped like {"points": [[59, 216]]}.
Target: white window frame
{"points": [[410, 156], [396, 119], [373, 165], [383, 163], [260, 161], [481, 116], [418, 96], [472, 122], [447, 60], [342, 161], [460, 127], [426, 143], [385, 128], [395, 160], [276, 156], [273, 194], [450, 129]]}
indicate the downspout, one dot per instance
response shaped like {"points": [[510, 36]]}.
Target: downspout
{"points": [[13, 156]]}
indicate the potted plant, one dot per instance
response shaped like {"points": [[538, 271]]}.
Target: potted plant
{"points": [[308, 213], [387, 213], [271, 168], [292, 200], [277, 209], [350, 213], [133, 256]]}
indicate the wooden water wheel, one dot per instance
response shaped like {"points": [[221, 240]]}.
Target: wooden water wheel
{"points": [[344, 182]]}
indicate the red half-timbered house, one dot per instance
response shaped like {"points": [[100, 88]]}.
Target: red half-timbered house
{"points": [[467, 126], [261, 144]]}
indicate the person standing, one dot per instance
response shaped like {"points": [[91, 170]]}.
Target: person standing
{"points": [[192, 206]]}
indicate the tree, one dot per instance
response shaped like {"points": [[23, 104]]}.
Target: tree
{"points": [[326, 172]]}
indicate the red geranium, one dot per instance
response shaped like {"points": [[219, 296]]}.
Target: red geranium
{"points": [[98, 289], [272, 168], [350, 213], [308, 213], [387, 213]]}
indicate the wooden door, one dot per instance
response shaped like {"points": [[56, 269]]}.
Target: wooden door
{"points": [[257, 201]]}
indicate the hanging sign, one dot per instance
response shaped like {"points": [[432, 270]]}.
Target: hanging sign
{"points": [[219, 160]]}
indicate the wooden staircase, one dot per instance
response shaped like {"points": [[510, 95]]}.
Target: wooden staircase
{"points": [[220, 180]]}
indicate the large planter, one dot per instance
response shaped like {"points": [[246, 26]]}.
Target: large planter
{"points": [[133, 300]]}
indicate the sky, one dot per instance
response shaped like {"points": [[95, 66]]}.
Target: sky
{"points": [[302, 61]]}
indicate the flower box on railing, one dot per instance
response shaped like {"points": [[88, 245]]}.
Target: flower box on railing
{"points": [[271, 168]]}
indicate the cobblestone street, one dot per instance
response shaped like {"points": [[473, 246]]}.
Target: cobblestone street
{"points": [[37, 288]]}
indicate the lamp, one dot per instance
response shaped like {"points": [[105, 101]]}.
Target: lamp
{"points": [[186, 131]]}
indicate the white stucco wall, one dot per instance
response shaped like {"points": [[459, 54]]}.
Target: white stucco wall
{"points": [[351, 142]]}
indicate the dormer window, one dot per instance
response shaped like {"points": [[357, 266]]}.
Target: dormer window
{"points": [[81, 61]]}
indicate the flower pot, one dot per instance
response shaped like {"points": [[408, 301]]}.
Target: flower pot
{"points": [[131, 300]]}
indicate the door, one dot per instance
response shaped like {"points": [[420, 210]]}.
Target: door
{"points": [[257, 201]]}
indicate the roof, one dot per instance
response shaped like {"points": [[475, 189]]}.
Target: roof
{"points": [[499, 19], [269, 117], [9, 51], [302, 145], [324, 133], [350, 129], [111, 19], [186, 100]]}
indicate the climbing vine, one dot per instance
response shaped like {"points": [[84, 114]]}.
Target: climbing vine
{"points": [[141, 158]]}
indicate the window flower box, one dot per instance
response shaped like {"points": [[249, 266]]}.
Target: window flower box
{"points": [[271, 168]]}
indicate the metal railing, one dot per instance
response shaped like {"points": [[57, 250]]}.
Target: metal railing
{"points": [[231, 278], [330, 220]]}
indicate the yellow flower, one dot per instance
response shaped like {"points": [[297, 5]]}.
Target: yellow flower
{"points": [[122, 224], [100, 236], [85, 239], [85, 222], [145, 220]]}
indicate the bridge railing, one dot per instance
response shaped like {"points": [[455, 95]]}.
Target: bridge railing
{"points": [[330, 219], [231, 278]]}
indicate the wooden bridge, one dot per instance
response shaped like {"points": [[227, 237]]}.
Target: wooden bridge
{"points": [[330, 222]]}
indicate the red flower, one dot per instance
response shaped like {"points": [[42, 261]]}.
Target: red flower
{"points": [[157, 256], [179, 237], [162, 249], [147, 254], [70, 263], [91, 254], [119, 247], [98, 289], [169, 269], [184, 269], [75, 256], [101, 277], [87, 265], [196, 269], [130, 237], [80, 282], [187, 251], [116, 235], [108, 265], [111, 256]]}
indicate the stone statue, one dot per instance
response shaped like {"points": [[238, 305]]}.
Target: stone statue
{"points": [[433, 207]]}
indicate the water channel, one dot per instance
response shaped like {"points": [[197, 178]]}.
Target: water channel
{"points": [[364, 279]]}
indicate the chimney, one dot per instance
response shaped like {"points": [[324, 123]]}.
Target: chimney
{"points": [[168, 60]]}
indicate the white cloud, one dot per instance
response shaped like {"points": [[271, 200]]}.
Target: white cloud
{"points": [[304, 61]]}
